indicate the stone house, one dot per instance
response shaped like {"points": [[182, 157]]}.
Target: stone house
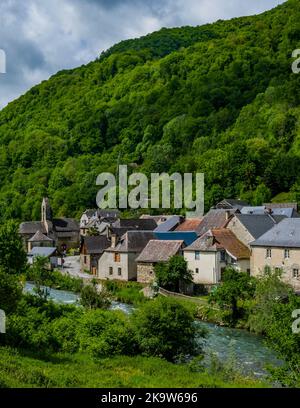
{"points": [[156, 251], [249, 227], [118, 262], [92, 247], [39, 240], [210, 254], [279, 248]]}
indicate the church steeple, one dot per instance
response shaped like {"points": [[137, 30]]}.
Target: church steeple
{"points": [[46, 210]]}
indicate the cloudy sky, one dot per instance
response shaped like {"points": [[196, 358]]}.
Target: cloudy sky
{"points": [[41, 37]]}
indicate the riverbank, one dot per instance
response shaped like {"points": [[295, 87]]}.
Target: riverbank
{"points": [[18, 369]]}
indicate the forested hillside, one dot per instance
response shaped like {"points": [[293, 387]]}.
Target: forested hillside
{"points": [[219, 99]]}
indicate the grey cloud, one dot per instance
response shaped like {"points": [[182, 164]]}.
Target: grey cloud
{"points": [[41, 37]]}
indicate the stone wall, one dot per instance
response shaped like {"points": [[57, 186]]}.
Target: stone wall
{"points": [[145, 272]]}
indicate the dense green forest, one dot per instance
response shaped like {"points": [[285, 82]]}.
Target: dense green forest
{"points": [[219, 99]]}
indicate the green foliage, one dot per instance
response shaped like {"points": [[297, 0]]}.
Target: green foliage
{"points": [[91, 298], [157, 324], [79, 371], [169, 275], [235, 287], [42, 276], [126, 292], [10, 292], [12, 255], [191, 99], [275, 302]]}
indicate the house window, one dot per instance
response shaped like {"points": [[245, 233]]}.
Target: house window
{"points": [[286, 253], [296, 273], [117, 257], [85, 259], [223, 256], [120, 271], [110, 270], [197, 255], [269, 253], [197, 270]]}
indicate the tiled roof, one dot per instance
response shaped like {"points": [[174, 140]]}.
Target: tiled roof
{"points": [[159, 251], [284, 234], [187, 236], [232, 203], [281, 205], [220, 239], [190, 224]]}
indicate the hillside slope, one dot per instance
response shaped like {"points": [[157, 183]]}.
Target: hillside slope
{"points": [[220, 99]]}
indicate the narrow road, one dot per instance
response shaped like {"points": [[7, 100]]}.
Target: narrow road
{"points": [[72, 268]]}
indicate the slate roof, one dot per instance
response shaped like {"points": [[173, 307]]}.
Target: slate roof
{"points": [[284, 234], [220, 239], [190, 224], [96, 244], [215, 218], [39, 237], [232, 203], [65, 225], [32, 227], [42, 251], [281, 205], [133, 241], [169, 225], [147, 224], [259, 210], [257, 225], [159, 251]]}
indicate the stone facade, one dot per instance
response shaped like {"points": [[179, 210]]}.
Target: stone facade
{"points": [[240, 231], [288, 260], [145, 272]]}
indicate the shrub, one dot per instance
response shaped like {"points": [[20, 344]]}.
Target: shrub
{"points": [[165, 328]]}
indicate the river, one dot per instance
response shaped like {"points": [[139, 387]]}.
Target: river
{"points": [[251, 355]]}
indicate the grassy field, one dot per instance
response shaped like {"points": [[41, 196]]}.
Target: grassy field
{"points": [[80, 371]]}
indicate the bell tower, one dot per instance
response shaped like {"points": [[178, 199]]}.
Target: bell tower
{"points": [[46, 210]]}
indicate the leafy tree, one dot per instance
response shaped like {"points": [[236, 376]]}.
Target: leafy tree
{"points": [[235, 286], [91, 298], [12, 255], [157, 325], [10, 292], [169, 275]]}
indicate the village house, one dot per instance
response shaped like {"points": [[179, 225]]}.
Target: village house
{"points": [[210, 254], [64, 232], [96, 221], [119, 260], [51, 253], [155, 251], [279, 248], [249, 227], [92, 247]]}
